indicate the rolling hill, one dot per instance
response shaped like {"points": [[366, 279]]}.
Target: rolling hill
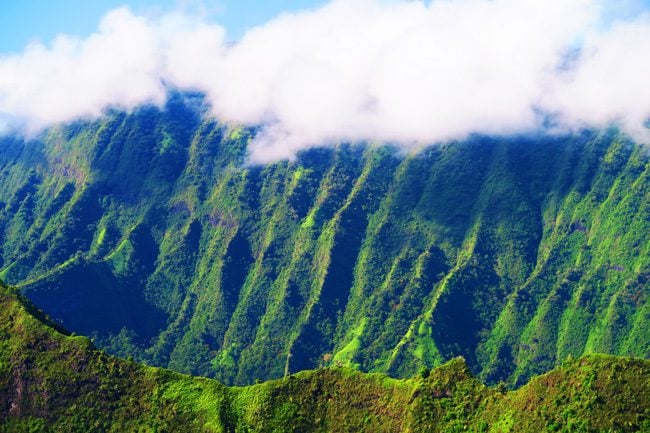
{"points": [[51, 381]]}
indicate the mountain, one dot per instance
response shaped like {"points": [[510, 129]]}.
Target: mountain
{"points": [[149, 232], [54, 382]]}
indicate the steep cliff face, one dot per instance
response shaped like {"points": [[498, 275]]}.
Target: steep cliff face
{"points": [[149, 232]]}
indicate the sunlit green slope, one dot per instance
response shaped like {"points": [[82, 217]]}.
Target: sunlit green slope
{"points": [[148, 232], [50, 382]]}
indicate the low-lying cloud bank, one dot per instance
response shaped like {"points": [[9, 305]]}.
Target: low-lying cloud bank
{"points": [[406, 72]]}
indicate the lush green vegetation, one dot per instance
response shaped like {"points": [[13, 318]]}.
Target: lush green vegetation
{"points": [[148, 232], [51, 382]]}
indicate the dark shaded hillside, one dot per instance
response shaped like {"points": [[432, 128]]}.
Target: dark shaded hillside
{"points": [[50, 382], [147, 232]]}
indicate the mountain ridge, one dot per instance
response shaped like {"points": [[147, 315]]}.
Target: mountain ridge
{"points": [[145, 231], [56, 382]]}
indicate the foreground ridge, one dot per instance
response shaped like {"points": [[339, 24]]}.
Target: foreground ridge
{"points": [[50, 381]]}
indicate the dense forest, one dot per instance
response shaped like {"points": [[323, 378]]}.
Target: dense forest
{"points": [[51, 381], [150, 233]]}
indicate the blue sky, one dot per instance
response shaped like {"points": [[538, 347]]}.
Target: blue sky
{"points": [[22, 21]]}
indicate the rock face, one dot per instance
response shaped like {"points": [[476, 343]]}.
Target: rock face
{"points": [[149, 233]]}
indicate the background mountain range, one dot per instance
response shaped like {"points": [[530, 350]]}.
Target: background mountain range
{"points": [[149, 232]]}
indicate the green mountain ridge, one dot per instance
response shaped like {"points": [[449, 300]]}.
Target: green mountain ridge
{"points": [[51, 382], [148, 232]]}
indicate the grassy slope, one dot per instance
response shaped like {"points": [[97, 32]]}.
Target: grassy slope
{"points": [[55, 382], [146, 232]]}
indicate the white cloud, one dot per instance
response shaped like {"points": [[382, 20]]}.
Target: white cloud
{"points": [[609, 83], [407, 72], [118, 66]]}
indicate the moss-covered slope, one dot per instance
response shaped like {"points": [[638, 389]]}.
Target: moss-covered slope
{"points": [[60, 383], [147, 232]]}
